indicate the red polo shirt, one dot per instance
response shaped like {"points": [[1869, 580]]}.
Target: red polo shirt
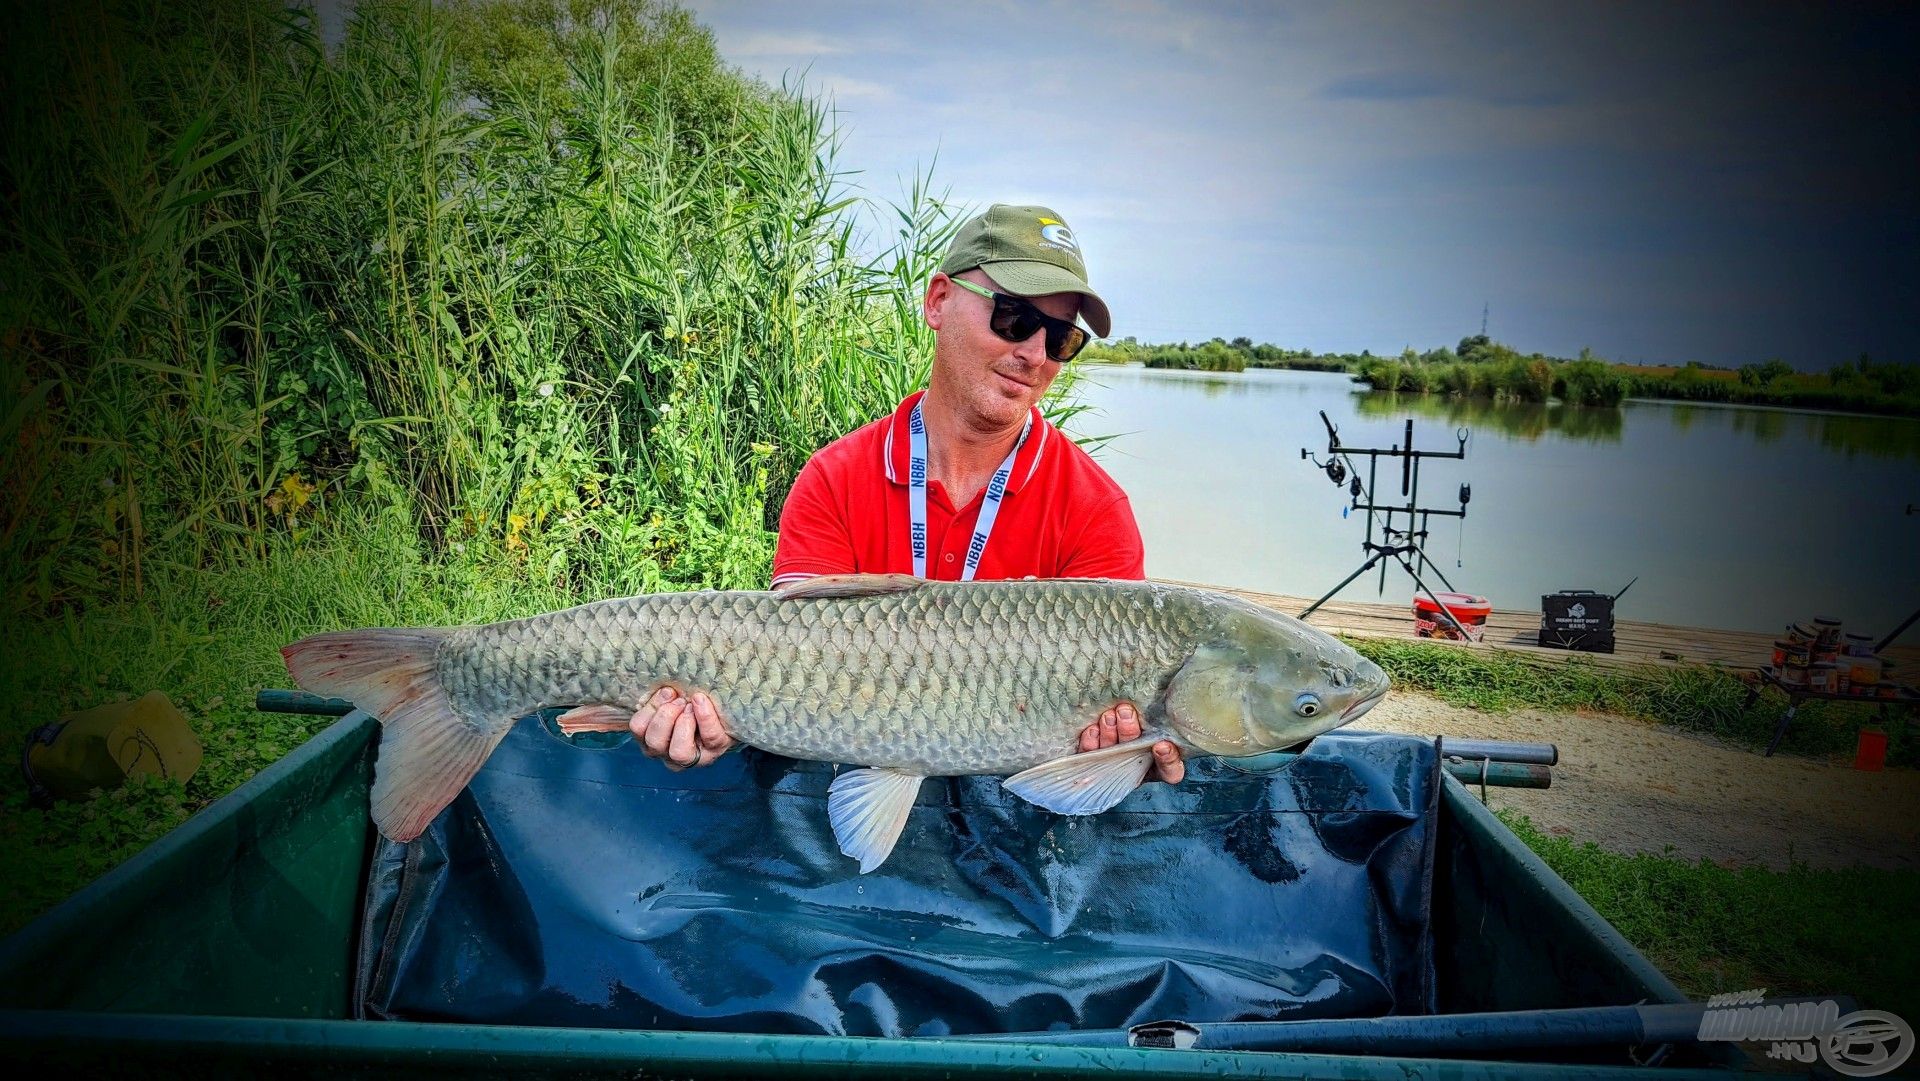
{"points": [[1062, 517]]}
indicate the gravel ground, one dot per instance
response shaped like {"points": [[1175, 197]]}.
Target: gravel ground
{"points": [[1636, 786]]}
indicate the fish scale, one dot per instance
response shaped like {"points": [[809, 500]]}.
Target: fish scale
{"points": [[943, 678], [903, 677]]}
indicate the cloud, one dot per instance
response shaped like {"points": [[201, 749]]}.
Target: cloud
{"points": [[845, 88], [1386, 86], [1530, 99], [1397, 86], [763, 45], [1340, 172]]}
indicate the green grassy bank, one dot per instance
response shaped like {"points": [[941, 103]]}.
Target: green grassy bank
{"points": [[1713, 929], [1693, 697], [210, 640]]}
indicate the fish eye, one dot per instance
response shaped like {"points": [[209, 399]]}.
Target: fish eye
{"points": [[1306, 705]]}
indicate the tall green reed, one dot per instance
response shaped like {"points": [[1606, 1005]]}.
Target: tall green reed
{"points": [[547, 281], [151, 164]]}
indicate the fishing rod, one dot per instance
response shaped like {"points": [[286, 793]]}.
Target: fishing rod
{"points": [[1438, 1034], [1396, 544]]}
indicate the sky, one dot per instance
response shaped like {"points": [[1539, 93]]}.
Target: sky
{"points": [[1657, 182]]}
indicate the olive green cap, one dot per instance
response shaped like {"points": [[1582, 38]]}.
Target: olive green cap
{"points": [[1028, 251]]}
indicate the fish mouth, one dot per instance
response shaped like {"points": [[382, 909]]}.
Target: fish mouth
{"points": [[1354, 711]]}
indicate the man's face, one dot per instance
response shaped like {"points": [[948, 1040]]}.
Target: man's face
{"points": [[993, 380]]}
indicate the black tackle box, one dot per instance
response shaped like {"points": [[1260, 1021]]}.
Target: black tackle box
{"points": [[1577, 619]]}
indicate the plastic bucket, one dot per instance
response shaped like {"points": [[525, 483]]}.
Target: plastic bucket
{"points": [[1871, 751], [1470, 611]]}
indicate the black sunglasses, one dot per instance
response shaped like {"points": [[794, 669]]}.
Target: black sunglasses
{"points": [[1015, 319]]}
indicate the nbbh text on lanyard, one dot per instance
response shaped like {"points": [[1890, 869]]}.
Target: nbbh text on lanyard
{"points": [[917, 498]]}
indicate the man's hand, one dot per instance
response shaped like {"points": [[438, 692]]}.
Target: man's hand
{"points": [[685, 731], [1121, 724]]}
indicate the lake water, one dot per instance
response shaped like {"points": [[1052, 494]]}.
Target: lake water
{"points": [[1730, 517]]}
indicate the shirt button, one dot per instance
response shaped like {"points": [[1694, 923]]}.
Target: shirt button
{"points": [[949, 557]]}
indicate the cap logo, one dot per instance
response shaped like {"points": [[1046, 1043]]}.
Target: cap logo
{"points": [[1055, 234]]}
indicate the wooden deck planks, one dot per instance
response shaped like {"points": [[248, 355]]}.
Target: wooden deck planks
{"points": [[1635, 642]]}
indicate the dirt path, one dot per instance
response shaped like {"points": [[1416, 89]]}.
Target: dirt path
{"points": [[1635, 786]]}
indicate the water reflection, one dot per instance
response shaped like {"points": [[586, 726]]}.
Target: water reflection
{"points": [[1876, 437], [1765, 426], [1522, 420], [1209, 384], [1716, 509], [1848, 434]]}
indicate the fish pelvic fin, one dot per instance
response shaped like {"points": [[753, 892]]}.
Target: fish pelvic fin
{"points": [[847, 585], [868, 808], [593, 718], [1086, 783], [428, 751]]}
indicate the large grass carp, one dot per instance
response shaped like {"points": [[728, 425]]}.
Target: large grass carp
{"points": [[903, 677]]}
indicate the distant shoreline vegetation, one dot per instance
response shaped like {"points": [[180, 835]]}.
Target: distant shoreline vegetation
{"points": [[1482, 368]]}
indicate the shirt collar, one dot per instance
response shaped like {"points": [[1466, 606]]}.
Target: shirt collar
{"points": [[897, 448]]}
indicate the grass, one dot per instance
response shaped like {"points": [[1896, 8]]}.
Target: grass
{"points": [[1692, 697], [1712, 928], [210, 640]]}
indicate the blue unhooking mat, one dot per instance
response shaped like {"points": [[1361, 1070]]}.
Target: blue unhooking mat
{"points": [[578, 886]]}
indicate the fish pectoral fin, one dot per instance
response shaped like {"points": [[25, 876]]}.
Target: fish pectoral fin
{"points": [[1086, 783], [595, 718], [847, 585], [868, 808]]}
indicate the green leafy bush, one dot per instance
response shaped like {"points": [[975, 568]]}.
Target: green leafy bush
{"points": [[546, 278], [1589, 382]]}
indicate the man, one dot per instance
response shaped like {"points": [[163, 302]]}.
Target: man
{"points": [[1002, 494]]}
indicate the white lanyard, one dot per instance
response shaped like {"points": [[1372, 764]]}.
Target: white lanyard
{"points": [[917, 498]]}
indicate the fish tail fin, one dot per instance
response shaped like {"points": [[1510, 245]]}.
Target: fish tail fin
{"points": [[428, 751]]}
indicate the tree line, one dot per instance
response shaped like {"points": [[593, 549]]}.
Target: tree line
{"points": [[1480, 367]]}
